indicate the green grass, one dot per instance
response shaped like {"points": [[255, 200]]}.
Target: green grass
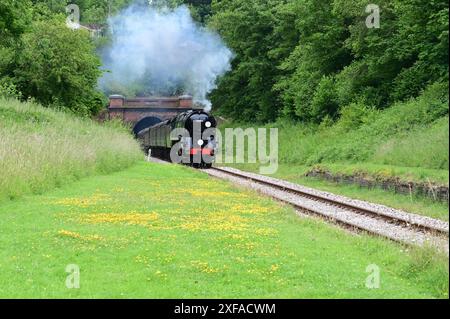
{"points": [[42, 148], [425, 146], [162, 231]]}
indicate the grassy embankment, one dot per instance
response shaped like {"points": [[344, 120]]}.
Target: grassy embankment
{"points": [[41, 148], [406, 142], [163, 231]]}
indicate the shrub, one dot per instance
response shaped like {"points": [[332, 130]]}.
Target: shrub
{"points": [[9, 90], [325, 100], [354, 115], [58, 65]]}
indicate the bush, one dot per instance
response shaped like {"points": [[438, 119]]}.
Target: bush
{"points": [[355, 115], [288, 47], [9, 90], [324, 102], [59, 66]]}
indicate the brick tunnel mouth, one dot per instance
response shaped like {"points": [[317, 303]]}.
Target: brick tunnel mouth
{"points": [[144, 123]]}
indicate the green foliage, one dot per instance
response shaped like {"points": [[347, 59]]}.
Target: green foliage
{"points": [[41, 58], [307, 59], [373, 131], [200, 9], [14, 18], [91, 11], [9, 90], [97, 11], [247, 27], [324, 102], [354, 115], [58, 66], [419, 147], [301, 59]]}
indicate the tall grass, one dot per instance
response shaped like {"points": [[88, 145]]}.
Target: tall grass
{"points": [[42, 148], [425, 146]]}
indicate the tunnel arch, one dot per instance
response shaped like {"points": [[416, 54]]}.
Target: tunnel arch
{"points": [[145, 122]]}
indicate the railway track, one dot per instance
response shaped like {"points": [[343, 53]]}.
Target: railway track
{"points": [[399, 226]]}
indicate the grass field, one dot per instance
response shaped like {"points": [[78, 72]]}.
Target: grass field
{"points": [[42, 148], [162, 231]]}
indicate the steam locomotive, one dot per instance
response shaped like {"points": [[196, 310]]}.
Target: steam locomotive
{"points": [[188, 138]]}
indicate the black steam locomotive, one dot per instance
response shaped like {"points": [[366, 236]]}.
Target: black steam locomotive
{"points": [[188, 138]]}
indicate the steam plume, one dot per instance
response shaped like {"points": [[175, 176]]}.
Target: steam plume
{"points": [[163, 52]]}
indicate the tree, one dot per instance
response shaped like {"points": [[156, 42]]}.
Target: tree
{"points": [[397, 61], [15, 17], [247, 27], [306, 59], [58, 66]]}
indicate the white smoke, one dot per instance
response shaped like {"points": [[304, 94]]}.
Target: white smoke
{"points": [[163, 52]]}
